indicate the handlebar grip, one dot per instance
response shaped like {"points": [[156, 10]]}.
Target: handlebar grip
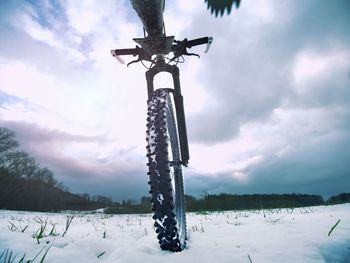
{"points": [[198, 41], [125, 51]]}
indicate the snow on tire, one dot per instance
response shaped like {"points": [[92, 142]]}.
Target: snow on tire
{"points": [[165, 173]]}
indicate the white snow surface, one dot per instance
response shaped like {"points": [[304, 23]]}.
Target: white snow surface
{"points": [[279, 235]]}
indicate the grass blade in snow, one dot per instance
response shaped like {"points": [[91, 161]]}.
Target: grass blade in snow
{"points": [[330, 231]]}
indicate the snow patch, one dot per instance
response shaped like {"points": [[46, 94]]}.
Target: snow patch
{"points": [[279, 235]]}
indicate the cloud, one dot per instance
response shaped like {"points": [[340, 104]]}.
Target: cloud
{"points": [[42, 24], [267, 107], [308, 161], [93, 95], [83, 162], [6, 99], [70, 100], [249, 71], [277, 94], [320, 79], [319, 167]]}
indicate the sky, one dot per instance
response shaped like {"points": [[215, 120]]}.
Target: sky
{"points": [[266, 108]]}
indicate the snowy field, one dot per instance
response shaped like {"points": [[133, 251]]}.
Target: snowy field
{"points": [[280, 235]]}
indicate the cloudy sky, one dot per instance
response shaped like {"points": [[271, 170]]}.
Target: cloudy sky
{"points": [[267, 108]]}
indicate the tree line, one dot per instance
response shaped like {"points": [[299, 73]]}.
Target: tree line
{"points": [[254, 201], [27, 185], [223, 202], [18, 163]]}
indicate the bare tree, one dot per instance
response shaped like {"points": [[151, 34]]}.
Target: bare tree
{"points": [[18, 163], [62, 187], [102, 200], [7, 140], [28, 168], [39, 174], [86, 196], [45, 175], [13, 160]]}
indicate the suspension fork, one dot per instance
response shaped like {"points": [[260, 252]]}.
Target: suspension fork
{"points": [[161, 66]]}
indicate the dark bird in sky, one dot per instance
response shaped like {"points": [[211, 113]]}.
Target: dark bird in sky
{"points": [[219, 6]]}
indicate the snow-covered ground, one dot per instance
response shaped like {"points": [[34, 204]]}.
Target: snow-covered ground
{"points": [[281, 235]]}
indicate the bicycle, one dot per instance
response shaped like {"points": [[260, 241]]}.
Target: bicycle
{"points": [[167, 143]]}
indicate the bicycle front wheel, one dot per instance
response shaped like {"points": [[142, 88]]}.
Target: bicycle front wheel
{"points": [[165, 172]]}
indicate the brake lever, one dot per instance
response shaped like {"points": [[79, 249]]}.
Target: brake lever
{"points": [[190, 54], [180, 49], [134, 61], [141, 56]]}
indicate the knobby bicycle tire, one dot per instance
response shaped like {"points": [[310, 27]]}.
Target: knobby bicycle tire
{"points": [[165, 173]]}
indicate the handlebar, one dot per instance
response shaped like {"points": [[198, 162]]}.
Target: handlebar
{"points": [[198, 41], [126, 51], [179, 48]]}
